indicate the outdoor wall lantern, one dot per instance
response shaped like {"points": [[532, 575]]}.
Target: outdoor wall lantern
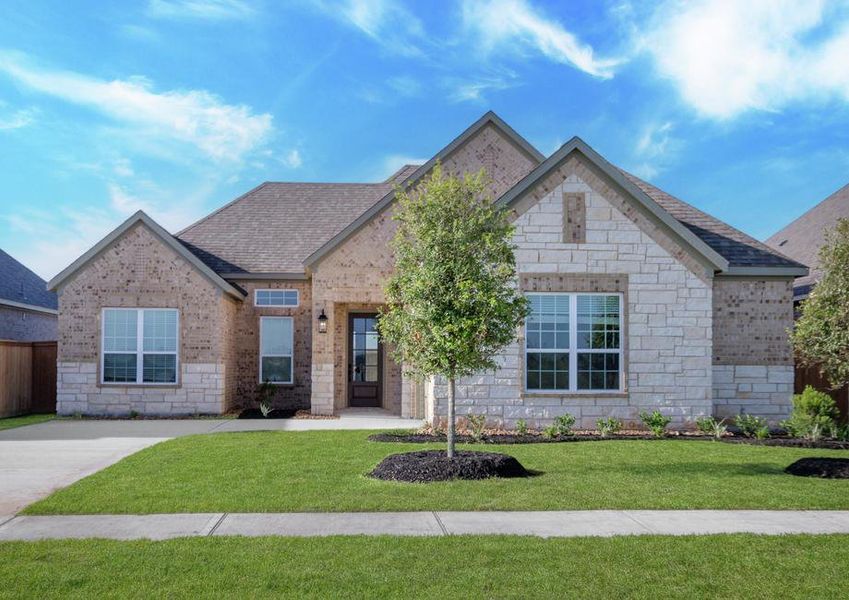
{"points": [[322, 322]]}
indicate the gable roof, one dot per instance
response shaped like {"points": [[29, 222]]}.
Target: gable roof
{"points": [[727, 250], [167, 239], [803, 238], [21, 288], [490, 118]]}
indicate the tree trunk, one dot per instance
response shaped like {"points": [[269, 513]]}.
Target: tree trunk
{"points": [[451, 418]]}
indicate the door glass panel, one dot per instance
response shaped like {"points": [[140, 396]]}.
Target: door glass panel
{"points": [[364, 350]]}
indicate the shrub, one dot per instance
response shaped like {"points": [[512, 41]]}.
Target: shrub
{"points": [[749, 424], [712, 427], [476, 426], [813, 415], [551, 431], [564, 424], [265, 393], [656, 421], [522, 427], [608, 426], [842, 433], [762, 433]]}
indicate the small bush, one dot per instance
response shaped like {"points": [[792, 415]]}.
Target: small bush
{"points": [[841, 433], [608, 426], [749, 424], [550, 432], [813, 415], [522, 427], [712, 427], [564, 424], [265, 393], [656, 422], [476, 426], [762, 433]]}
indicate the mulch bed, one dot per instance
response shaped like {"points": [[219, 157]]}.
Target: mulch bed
{"points": [[276, 413], [509, 438], [433, 465], [828, 468]]}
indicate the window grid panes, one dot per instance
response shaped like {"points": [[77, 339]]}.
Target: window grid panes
{"points": [[276, 348], [572, 342], [140, 346], [277, 297]]}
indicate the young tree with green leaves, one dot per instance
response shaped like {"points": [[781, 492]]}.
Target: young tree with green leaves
{"points": [[821, 336], [452, 302]]}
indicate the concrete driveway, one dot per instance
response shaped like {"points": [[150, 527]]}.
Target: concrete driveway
{"points": [[36, 460]]}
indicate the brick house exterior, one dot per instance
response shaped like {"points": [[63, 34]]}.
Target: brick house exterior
{"points": [[287, 278]]}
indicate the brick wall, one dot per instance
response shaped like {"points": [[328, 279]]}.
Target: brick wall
{"points": [[26, 326], [137, 271]]}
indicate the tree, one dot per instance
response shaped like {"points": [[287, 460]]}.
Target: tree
{"points": [[452, 302], [821, 336]]}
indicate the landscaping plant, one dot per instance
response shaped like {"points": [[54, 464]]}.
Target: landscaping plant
{"points": [[564, 423], [656, 422], [477, 423], [821, 334], [522, 427], [762, 433], [712, 427], [813, 415], [749, 424], [550, 431], [608, 426], [265, 393], [451, 303]]}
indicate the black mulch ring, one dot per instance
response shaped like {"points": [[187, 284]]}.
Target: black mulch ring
{"points": [[433, 465], [829, 468], [276, 413]]}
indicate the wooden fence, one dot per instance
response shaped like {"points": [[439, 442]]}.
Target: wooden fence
{"points": [[812, 377], [27, 378]]}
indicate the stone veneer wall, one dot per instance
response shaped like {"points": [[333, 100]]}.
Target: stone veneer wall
{"points": [[752, 358], [26, 325], [668, 323], [139, 271], [354, 273]]}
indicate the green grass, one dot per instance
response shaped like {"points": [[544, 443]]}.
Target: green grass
{"points": [[734, 566], [12, 422], [325, 471]]}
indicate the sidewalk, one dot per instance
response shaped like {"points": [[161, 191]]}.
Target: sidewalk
{"points": [[603, 523]]}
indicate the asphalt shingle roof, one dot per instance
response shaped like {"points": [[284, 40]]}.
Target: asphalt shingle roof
{"points": [[803, 238], [739, 249], [19, 284]]}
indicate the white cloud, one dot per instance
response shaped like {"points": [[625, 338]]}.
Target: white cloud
{"points": [[474, 89], [221, 131], [292, 159], [727, 56], [655, 140], [405, 86], [656, 147], [17, 119], [209, 10], [387, 22], [516, 24]]}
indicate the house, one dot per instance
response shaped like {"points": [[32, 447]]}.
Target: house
{"points": [[640, 301], [802, 239], [28, 312]]}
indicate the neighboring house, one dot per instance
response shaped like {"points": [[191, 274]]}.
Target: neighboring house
{"points": [[640, 301], [802, 239], [27, 310]]}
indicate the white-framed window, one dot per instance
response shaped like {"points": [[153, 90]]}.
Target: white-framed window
{"points": [[276, 298], [276, 341], [573, 342], [140, 346]]}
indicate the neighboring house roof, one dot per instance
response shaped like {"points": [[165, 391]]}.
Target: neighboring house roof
{"points": [[728, 250], [21, 288], [803, 238], [167, 239]]}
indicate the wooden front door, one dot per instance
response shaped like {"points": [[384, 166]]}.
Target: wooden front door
{"points": [[364, 360]]}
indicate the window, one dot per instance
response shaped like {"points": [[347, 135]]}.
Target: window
{"points": [[139, 345], [275, 349], [276, 298], [573, 342]]}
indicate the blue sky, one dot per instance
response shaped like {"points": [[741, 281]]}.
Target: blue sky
{"points": [[178, 106]]}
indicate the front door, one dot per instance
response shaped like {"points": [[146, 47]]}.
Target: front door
{"points": [[364, 361]]}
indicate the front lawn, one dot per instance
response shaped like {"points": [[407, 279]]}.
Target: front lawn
{"points": [[12, 422], [733, 566], [325, 471]]}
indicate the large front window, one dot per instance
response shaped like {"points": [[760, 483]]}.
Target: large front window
{"points": [[140, 345], [573, 342], [276, 341]]}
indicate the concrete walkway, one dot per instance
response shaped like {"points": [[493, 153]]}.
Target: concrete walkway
{"points": [[36, 460], [604, 523]]}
